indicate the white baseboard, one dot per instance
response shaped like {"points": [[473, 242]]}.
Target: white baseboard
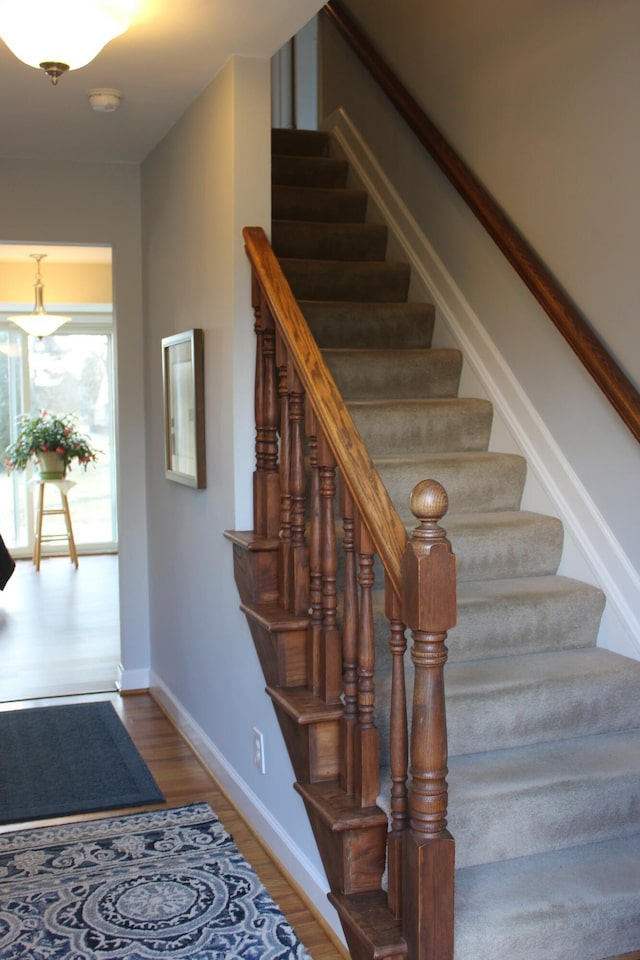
{"points": [[129, 680], [602, 559], [291, 857]]}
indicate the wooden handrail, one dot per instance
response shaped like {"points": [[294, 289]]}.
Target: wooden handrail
{"points": [[611, 379], [366, 488]]}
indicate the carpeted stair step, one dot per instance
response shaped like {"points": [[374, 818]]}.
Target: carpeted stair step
{"points": [[373, 374], [384, 281], [545, 797], [504, 544], [580, 903], [499, 618], [329, 241], [410, 426], [514, 701], [300, 143], [347, 325], [308, 171], [524, 615], [321, 205], [509, 546], [481, 482]]}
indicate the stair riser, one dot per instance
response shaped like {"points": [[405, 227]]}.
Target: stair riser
{"points": [[365, 375], [539, 706], [353, 860], [478, 482], [569, 804], [330, 241], [326, 280], [382, 326], [323, 206], [507, 554], [313, 747], [299, 143], [308, 171], [433, 426], [505, 545], [256, 573], [282, 654]]}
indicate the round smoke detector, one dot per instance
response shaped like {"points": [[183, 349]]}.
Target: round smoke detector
{"points": [[105, 100]]}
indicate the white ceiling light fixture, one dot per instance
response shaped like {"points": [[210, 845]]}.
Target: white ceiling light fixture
{"points": [[61, 35], [39, 323]]}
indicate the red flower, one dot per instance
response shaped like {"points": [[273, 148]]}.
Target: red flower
{"points": [[59, 450]]}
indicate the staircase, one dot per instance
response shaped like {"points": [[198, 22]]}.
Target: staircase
{"points": [[543, 726]]}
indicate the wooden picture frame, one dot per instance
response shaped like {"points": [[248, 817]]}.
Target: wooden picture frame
{"points": [[183, 389]]}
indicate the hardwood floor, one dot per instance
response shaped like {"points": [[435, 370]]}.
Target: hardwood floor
{"points": [[183, 779], [59, 638], [59, 628]]}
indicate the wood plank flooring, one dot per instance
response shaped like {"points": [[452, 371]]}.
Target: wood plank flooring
{"points": [[183, 779], [59, 628], [60, 638]]}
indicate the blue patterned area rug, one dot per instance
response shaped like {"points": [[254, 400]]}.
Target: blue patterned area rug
{"points": [[162, 885]]}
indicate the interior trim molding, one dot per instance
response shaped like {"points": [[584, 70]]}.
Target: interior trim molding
{"points": [[608, 565], [290, 856]]}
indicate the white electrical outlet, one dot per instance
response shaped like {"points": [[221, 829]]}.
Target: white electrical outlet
{"points": [[258, 750]]}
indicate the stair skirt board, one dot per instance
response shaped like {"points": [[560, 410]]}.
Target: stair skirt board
{"points": [[544, 727]]}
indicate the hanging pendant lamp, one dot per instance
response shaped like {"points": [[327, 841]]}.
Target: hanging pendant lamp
{"points": [[61, 35], [39, 323]]}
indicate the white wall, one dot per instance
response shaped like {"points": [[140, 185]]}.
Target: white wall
{"points": [[56, 202], [539, 99], [206, 180]]}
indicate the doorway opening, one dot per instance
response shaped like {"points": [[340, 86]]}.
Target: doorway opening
{"points": [[59, 627]]}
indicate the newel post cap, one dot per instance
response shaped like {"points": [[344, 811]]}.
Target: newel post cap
{"points": [[428, 564]]}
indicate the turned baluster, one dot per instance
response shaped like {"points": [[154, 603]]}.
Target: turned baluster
{"points": [[265, 478], [366, 745], [315, 558], [299, 564], [284, 566], [429, 610], [330, 668], [398, 749], [349, 643]]}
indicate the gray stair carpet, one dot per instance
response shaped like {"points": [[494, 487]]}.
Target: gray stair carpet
{"points": [[544, 727]]}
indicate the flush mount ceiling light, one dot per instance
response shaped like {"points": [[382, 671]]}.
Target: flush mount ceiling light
{"points": [[61, 35], [39, 323]]}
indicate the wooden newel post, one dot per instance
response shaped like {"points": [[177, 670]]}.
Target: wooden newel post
{"points": [[429, 610]]}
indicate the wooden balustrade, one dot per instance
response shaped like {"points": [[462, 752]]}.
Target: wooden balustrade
{"points": [[314, 454]]}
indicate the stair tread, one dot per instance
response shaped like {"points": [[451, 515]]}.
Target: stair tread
{"points": [[367, 914], [305, 708], [339, 810], [273, 617], [581, 902]]}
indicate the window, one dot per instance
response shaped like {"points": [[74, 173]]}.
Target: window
{"points": [[70, 371]]}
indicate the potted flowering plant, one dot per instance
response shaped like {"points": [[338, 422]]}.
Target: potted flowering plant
{"points": [[52, 442]]}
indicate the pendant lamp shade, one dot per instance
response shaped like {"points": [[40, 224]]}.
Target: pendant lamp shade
{"points": [[61, 34], [39, 323]]}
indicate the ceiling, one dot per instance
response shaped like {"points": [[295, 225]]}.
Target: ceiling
{"points": [[171, 52]]}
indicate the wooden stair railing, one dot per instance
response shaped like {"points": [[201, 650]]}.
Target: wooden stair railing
{"points": [[576, 330], [310, 461]]}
